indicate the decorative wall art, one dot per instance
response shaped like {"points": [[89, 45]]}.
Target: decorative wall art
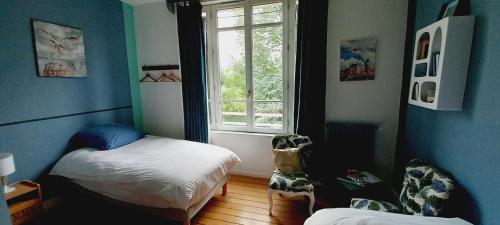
{"points": [[59, 49], [357, 59]]}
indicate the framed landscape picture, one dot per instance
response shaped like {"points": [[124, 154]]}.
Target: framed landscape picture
{"points": [[357, 59], [59, 50]]}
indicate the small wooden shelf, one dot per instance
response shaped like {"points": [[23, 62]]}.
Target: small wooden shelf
{"points": [[423, 46], [440, 63], [25, 202]]}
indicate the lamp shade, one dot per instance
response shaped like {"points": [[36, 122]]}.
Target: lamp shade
{"points": [[6, 164]]}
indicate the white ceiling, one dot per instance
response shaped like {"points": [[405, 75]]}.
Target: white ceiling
{"points": [[140, 2], [203, 2]]}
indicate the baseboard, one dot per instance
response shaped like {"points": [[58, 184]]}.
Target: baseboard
{"points": [[53, 202], [251, 174]]}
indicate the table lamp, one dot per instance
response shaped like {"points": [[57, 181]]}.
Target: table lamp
{"points": [[6, 167]]}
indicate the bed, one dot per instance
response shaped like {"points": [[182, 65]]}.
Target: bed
{"points": [[167, 177], [344, 216]]}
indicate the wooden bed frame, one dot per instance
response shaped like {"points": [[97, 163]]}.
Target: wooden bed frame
{"points": [[174, 214]]}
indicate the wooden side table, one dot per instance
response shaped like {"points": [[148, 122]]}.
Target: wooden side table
{"points": [[25, 202]]}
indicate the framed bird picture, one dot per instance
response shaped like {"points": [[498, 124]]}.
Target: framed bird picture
{"points": [[60, 51]]}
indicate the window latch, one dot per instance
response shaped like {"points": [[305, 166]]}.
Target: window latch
{"points": [[249, 93]]}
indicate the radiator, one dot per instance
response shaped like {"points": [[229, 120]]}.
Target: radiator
{"points": [[349, 146]]}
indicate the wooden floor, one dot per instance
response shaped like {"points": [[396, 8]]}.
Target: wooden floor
{"points": [[246, 203]]}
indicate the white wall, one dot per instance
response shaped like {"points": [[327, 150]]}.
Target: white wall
{"points": [[157, 43], [254, 151], [374, 101], [365, 101]]}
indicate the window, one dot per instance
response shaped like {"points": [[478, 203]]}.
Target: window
{"points": [[248, 66]]}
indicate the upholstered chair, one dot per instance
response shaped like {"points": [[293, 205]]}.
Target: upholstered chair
{"points": [[426, 189], [297, 183]]}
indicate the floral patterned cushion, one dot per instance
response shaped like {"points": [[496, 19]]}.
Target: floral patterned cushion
{"points": [[290, 183], [361, 203], [425, 189]]}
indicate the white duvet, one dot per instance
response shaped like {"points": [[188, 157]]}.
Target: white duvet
{"points": [[341, 216], [153, 171]]}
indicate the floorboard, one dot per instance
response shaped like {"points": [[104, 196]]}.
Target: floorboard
{"points": [[246, 203]]}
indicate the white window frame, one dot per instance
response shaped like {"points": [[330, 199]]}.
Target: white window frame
{"points": [[288, 27]]}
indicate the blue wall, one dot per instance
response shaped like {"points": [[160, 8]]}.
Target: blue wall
{"points": [[466, 143], [4, 213], [69, 103]]}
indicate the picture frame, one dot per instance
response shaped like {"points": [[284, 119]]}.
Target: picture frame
{"points": [[357, 59], [454, 8], [59, 50]]}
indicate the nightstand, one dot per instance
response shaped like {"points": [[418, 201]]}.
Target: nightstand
{"points": [[25, 202]]}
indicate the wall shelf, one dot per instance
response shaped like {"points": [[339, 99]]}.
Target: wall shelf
{"points": [[440, 63]]}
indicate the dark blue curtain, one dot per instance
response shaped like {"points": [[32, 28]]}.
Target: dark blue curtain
{"points": [[192, 57], [310, 80], [310, 72]]}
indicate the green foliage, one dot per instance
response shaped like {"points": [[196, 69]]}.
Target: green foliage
{"points": [[267, 74]]}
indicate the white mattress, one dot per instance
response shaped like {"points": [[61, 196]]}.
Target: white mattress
{"points": [[153, 171], [341, 216]]}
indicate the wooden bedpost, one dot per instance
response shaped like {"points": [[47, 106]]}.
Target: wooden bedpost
{"points": [[224, 189]]}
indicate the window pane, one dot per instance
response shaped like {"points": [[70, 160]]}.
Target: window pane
{"points": [[268, 114], [268, 76], [230, 17], [268, 63], [270, 13], [234, 113], [231, 45]]}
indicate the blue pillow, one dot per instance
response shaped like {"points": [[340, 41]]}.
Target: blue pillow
{"points": [[106, 137]]}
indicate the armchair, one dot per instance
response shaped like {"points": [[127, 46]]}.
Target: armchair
{"points": [[292, 184], [425, 192]]}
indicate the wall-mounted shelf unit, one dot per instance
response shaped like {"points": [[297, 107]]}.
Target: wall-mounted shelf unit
{"points": [[440, 63]]}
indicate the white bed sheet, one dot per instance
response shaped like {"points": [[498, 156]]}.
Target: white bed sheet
{"points": [[344, 216], [153, 171]]}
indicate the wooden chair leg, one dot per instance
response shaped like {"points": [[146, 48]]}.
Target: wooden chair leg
{"points": [[224, 189], [186, 220], [270, 197], [311, 203]]}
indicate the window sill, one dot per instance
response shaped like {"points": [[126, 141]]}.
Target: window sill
{"points": [[244, 133]]}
